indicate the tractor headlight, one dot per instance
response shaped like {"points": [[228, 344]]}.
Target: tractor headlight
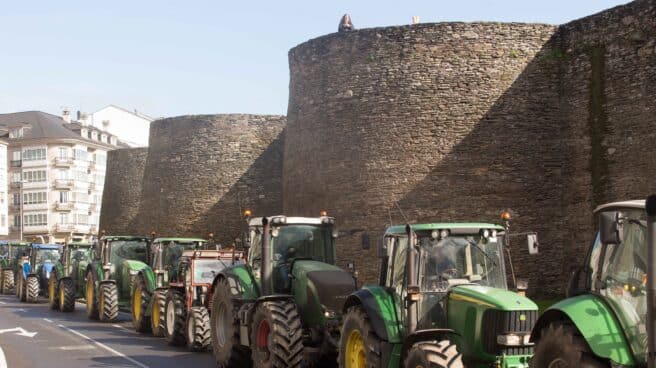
{"points": [[329, 314], [133, 272], [47, 274], [514, 340]]}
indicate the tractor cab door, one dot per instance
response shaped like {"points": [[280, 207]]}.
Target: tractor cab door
{"points": [[396, 277]]}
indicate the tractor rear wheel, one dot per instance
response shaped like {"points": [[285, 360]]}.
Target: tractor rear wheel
{"points": [[224, 326], [32, 289], [198, 329], [108, 302], [358, 341], [434, 354], [276, 334], [174, 333], [66, 295], [7, 280], [561, 345], [91, 297], [158, 314], [53, 293], [140, 302]]}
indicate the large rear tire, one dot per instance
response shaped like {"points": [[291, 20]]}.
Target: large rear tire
{"points": [[53, 292], [32, 289], [276, 334], [158, 313], [7, 280], [91, 296], [108, 302], [20, 288], [140, 302], [358, 343], [224, 328], [198, 329], [66, 295], [174, 333], [434, 354], [561, 345]]}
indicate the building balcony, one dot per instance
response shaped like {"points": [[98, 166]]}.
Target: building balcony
{"points": [[64, 206], [15, 184], [15, 163], [35, 184], [64, 161], [64, 183], [35, 229], [75, 228], [35, 163], [35, 206]]}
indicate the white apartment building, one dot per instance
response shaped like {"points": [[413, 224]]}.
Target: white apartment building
{"points": [[4, 208], [56, 173], [131, 127]]}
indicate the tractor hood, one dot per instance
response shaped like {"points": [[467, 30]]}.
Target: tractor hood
{"points": [[500, 299], [324, 287]]}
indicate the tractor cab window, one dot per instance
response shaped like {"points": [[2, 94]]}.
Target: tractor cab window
{"points": [[255, 251], [624, 279], [46, 255], [4, 251], [303, 241], [206, 269], [128, 249]]}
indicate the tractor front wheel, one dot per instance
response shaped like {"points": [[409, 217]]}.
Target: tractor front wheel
{"points": [[108, 302], [32, 289], [198, 329], [175, 318], [140, 301], [358, 341], [158, 314], [561, 345], [277, 335], [66, 295], [91, 297], [224, 326], [434, 354], [7, 280], [53, 292]]}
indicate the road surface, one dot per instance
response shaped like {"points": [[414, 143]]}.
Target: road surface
{"points": [[34, 336]]}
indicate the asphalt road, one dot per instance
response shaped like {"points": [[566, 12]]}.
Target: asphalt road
{"points": [[54, 339]]}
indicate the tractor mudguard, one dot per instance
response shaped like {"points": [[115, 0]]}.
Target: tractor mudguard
{"points": [[381, 310], [241, 277], [596, 322], [149, 276]]}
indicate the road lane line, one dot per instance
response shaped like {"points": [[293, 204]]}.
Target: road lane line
{"points": [[77, 347], [3, 303], [100, 344], [47, 320], [122, 328], [3, 361]]}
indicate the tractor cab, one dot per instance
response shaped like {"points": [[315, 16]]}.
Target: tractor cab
{"points": [[9, 252], [164, 254], [41, 260], [113, 250]]}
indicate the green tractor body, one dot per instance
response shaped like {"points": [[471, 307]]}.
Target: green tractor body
{"points": [[35, 270], [108, 281], [442, 302], [605, 314], [66, 283], [10, 253], [282, 308]]}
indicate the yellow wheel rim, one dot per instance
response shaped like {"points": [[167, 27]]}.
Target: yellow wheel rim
{"points": [[61, 298], [355, 352], [136, 305], [51, 290], [89, 294], [155, 314]]}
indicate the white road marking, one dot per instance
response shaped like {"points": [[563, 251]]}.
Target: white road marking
{"points": [[19, 331], [117, 353], [76, 347], [47, 320], [3, 303], [3, 361], [122, 328]]}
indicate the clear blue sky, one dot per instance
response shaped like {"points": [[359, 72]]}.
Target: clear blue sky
{"points": [[189, 57]]}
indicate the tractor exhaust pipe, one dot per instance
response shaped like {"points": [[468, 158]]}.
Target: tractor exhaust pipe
{"points": [[650, 206], [266, 257], [411, 279]]}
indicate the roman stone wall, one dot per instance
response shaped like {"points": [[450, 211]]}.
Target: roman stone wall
{"points": [[122, 189]]}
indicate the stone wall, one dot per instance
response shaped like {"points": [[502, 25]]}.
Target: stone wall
{"points": [[203, 170], [122, 190]]}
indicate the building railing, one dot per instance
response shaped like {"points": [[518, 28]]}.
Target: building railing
{"points": [[15, 163], [15, 184], [64, 161], [64, 183], [68, 206]]}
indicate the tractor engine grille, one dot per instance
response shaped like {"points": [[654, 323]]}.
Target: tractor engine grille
{"points": [[496, 322]]}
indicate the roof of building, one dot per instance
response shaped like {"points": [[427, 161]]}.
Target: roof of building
{"points": [[135, 112]]}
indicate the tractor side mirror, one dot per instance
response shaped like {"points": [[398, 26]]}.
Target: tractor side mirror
{"points": [[533, 245], [245, 240], [610, 228], [574, 286], [383, 245], [365, 242]]}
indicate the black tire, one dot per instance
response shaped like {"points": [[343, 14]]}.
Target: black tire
{"points": [[66, 295], [158, 313], [7, 281], [91, 296], [277, 335], [20, 288], [198, 329], [224, 328], [357, 325], [32, 289], [174, 333], [434, 354], [139, 305], [562, 343], [108, 302], [53, 292]]}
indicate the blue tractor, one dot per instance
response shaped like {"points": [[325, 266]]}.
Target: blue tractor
{"points": [[34, 270]]}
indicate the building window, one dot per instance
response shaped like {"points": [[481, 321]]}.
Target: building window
{"points": [[101, 159], [112, 140], [63, 218], [103, 138], [82, 219], [35, 197], [81, 197], [84, 133], [16, 133], [16, 155], [94, 135], [34, 154], [64, 153], [34, 176], [63, 197], [16, 177], [3, 220], [62, 175], [17, 221], [37, 219], [16, 201], [81, 154]]}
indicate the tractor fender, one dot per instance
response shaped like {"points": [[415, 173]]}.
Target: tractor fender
{"points": [[105, 282], [241, 277], [426, 335], [149, 276], [597, 323], [380, 308], [97, 271]]}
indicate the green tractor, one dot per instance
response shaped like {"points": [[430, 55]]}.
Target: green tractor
{"points": [[442, 302], [187, 304], [152, 280], [283, 307], [607, 319], [109, 276], [34, 270], [9, 255], [66, 282]]}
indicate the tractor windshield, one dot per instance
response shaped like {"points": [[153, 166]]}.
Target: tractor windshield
{"points": [[459, 259], [128, 249], [304, 241], [624, 278], [206, 269], [173, 250], [43, 255]]}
